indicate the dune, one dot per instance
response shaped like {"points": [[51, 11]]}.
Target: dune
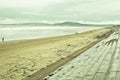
{"points": [[19, 59]]}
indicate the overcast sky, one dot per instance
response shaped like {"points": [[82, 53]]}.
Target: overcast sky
{"points": [[59, 10]]}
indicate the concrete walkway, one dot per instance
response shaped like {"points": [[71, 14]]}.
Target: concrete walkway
{"points": [[101, 62]]}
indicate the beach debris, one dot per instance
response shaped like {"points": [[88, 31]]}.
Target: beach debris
{"points": [[51, 74], [72, 66], [68, 45], [97, 46], [60, 69], [29, 76], [62, 57], [46, 78]]}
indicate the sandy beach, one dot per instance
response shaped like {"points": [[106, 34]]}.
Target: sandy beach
{"points": [[19, 59]]}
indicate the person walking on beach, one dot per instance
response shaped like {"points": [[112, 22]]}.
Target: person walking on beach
{"points": [[3, 39]]}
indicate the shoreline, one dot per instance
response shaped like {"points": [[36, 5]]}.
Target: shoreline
{"points": [[41, 38], [13, 33]]}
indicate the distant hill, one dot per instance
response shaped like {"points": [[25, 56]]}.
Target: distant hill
{"points": [[68, 24], [76, 24], [54, 24], [26, 24]]}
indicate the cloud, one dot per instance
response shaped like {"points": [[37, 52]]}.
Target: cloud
{"points": [[7, 21], [28, 3], [100, 22], [31, 13], [58, 10]]}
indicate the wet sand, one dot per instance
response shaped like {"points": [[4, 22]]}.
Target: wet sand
{"points": [[20, 59]]}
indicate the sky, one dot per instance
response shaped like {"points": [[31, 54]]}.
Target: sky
{"points": [[12, 11]]}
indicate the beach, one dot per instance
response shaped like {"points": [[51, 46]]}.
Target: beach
{"points": [[21, 58]]}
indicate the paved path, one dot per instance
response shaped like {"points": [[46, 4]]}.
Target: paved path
{"points": [[101, 62]]}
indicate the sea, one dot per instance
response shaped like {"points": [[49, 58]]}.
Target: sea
{"points": [[32, 32]]}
